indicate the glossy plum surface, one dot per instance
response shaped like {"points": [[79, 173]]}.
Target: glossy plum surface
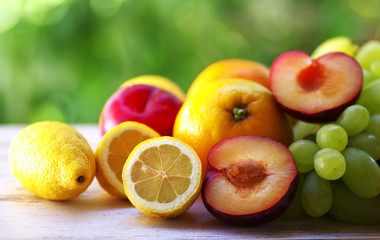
{"points": [[250, 180], [315, 90]]}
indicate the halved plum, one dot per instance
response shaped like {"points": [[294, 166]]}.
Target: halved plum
{"points": [[250, 180], [315, 90]]}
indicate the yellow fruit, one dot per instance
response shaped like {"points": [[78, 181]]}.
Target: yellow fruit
{"points": [[228, 108], [114, 149], [231, 68], [53, 160], [162, 177], [156, 81], [335, 44]]}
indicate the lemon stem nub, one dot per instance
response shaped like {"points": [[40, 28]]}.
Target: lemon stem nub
{"points": [[80, 179], [239, 113]]}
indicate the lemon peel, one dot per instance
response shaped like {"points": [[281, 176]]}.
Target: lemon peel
{"points": [[52, 160]]}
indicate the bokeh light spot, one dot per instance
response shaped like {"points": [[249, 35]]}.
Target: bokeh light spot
{"points": [[106, 8], [366, 8], [10, 14], [193, 19], [44, 12]]}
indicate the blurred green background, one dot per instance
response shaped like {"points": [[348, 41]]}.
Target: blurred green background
{"points": [[62, 59]]}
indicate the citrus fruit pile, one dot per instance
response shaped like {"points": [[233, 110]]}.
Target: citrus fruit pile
{"points": [[255, 142]]}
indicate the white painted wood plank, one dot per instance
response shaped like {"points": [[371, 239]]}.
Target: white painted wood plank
{"points": [[95, 214]]}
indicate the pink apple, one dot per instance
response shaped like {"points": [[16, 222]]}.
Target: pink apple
{"points": [[146, 104]]}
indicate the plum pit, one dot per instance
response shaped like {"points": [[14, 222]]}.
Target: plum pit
{"points": [[245, 173]]}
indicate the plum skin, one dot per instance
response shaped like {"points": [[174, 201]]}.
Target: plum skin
{"points": [[254, 219], [328, 115]]}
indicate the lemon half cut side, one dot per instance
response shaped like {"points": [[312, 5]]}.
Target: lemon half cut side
{"points": [[112, 152], [162, 177]]}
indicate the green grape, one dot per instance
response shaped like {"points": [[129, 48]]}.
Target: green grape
{"points": [[368, 53], [303, 152], [375, 68], [329, 164], [366, 142], [362, 174], [316, 195], [368, 77], [374, 125], [302, 129], [370, 97], [354, 119], [349, 208], [336, 44], [332, 136], [295, 209]]}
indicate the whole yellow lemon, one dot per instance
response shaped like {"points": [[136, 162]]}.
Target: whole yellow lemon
{"points": [[52, 160]]}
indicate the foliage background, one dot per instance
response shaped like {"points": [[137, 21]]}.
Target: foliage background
{"points": [[62, 59]]}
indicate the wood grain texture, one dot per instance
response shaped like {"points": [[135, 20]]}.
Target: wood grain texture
{"points": [[97, 215]]}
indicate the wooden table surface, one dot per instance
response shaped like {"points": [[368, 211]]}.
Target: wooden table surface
{"points": [[95, 214]]}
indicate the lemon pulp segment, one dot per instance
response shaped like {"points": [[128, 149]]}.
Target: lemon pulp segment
{"points": [[121, 147], [161, 174], [113, 151], [162, 177]]}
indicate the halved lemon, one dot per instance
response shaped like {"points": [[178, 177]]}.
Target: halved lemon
{"points": [[162, 177], [114, 149]]}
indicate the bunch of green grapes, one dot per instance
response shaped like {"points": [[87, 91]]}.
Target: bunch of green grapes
{"points": [[343, 151], [368, 57], [337, 161]]}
